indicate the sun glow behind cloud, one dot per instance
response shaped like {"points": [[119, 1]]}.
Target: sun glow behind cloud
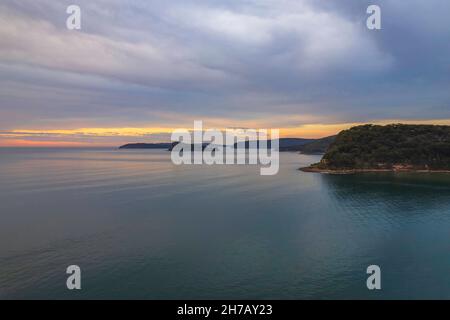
{"points": [[114, 137]]}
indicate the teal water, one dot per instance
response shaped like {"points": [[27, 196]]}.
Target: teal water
{"points": [[140, 227]]}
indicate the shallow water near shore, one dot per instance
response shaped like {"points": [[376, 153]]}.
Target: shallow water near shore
{"points": [[140, 227]]}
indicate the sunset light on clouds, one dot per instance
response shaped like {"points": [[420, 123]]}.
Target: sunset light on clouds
{"points": [[102, 137], [139, 69]]}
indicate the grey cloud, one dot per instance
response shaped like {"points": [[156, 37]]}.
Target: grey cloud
{"points": [[136, 60]]}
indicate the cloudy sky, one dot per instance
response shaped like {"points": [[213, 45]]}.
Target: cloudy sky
{"points": [[139, 68]]}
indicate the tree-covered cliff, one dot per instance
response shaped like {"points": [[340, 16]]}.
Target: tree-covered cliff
{"points": [[396, 146]]}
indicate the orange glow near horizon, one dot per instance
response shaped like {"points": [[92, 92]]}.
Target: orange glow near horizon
{"points": [[42, 144], [108, 137]]}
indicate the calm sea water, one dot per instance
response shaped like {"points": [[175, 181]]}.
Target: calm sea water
{"points": [[140, 227]]}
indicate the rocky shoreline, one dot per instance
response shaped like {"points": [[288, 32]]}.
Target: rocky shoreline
{"points": [[354, 171]]}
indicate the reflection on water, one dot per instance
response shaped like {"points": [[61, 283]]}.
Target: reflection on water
{"points": [[140, 227], [394, 195]]}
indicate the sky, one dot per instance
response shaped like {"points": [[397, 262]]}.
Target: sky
{"points": [[139, 69]]}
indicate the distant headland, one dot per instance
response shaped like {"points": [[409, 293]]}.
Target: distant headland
{"points": [[146, 146], [306, 146], [395, 147]]}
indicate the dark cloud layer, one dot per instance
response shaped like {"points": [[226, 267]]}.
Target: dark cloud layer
{"points": [[139, 62]]}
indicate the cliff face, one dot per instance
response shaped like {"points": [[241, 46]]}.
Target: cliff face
{"points": [[391, 147]]}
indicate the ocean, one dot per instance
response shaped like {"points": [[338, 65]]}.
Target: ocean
{"points": [[140, 227]]}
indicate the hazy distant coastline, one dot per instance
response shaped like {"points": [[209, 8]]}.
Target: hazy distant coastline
{"points": [[306, 146]]}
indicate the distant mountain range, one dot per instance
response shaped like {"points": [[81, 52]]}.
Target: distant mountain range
{"points": [[309, 146]]}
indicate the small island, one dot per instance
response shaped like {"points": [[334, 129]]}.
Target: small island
{"points": [[390, 148]]}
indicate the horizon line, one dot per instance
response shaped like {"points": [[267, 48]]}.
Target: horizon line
{"points": [[116, 137]]}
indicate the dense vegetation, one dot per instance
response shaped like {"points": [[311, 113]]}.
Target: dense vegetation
{"points": [[395, 146]]}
